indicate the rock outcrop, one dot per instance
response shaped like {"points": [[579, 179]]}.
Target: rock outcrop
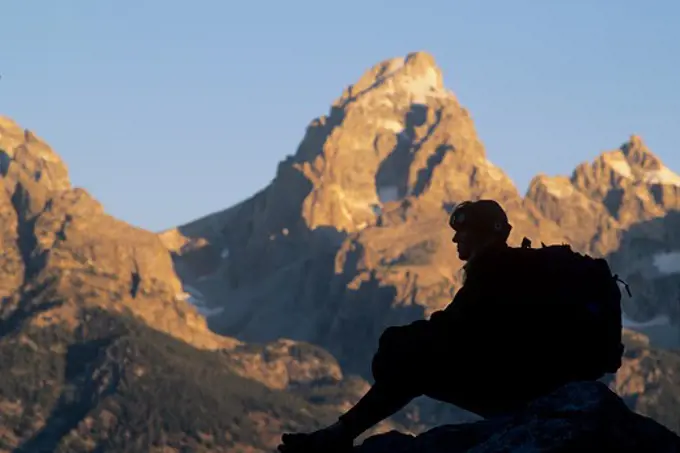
{"points": [[578, 417]]}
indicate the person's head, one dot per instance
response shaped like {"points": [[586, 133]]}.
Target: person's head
{"points": [[478, 225]]}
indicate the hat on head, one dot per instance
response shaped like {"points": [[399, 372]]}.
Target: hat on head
{"points": [[480, 215]]}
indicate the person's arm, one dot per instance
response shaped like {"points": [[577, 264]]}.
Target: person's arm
{"points": [[474, 311], [453, 323]]}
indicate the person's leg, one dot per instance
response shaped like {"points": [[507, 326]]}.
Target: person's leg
{"points": [[402, 374], [406, 366], [377, 404], [393, 388], [390, 393]]}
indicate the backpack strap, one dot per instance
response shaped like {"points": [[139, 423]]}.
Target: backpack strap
{"points": [[625, 285]]}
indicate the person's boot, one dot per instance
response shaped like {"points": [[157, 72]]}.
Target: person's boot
{"points": [[333, 439]]}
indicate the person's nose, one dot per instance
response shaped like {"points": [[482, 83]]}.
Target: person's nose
{"points": [[455, 239]]}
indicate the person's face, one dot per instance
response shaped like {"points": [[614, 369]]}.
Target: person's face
{"points": [[466, 244]]}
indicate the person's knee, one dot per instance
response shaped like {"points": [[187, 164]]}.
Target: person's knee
{"points": [[403, 337], [383, 366], [393, 372], [391, 337], [402, 368]]}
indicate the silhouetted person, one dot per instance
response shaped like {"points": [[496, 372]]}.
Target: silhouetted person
{"points": [[475, 354]]}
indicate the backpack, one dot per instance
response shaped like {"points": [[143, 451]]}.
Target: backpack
{"points": [[578, 300]]}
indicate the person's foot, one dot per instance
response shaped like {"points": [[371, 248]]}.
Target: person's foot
{"points": [[333, 439]]}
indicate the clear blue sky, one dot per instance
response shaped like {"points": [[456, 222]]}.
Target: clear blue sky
{"points": [[167, 110]]}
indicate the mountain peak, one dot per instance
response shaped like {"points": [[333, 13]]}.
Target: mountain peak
{"points": [[58, 240], [23, 152], [618, 188], [412, 79], [395, 148], [396, 135], [639, 155], [634, 163]]}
